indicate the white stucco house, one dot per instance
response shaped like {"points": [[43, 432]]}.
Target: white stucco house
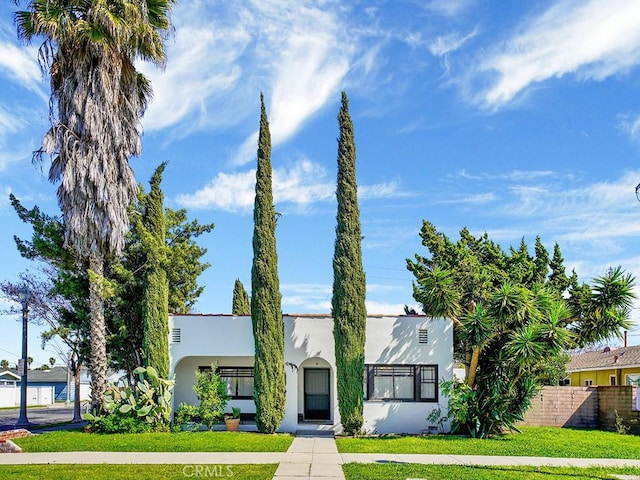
{"points": [[405, 356]]}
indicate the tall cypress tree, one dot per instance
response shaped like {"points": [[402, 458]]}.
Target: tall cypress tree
{"points": [[155, 302], [349, 291], [266, 314], [241, 304]]}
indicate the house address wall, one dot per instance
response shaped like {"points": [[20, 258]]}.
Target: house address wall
{"points": [[584, 407]]}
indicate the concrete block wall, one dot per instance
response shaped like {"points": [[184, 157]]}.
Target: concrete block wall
{"points": [[564, 407], [621, 399], [584, 407]]}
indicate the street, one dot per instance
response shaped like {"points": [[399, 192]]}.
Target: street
{"points": [[37, 416]]}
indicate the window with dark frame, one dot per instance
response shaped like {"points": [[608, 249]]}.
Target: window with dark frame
{"points": [[239, 381], [408, 383]]}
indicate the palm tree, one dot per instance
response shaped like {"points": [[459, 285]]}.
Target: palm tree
{"points": [[89, 50]]}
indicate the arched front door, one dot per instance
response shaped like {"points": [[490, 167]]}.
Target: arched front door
{"points": [[316, 394]]}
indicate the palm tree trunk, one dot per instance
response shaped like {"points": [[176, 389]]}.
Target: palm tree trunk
{"points": [[98, 362], [475, 356]]}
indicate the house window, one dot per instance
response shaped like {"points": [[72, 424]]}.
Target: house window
{"points": [[239, 381], [612, 380], [413, 383], [633, 379], [588, 383]]}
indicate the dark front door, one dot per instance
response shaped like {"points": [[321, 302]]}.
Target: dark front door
{"points": [[316, 394]]}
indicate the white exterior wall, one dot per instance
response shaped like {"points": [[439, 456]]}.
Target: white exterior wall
{"points": [[309, 343], [394, 340], [205, 339]]}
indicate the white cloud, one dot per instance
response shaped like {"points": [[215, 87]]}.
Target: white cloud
{"points": [[297, 53], [590, 39], [21, 65], [230, 192], [382, 190], [384, 308], [313, 298], [451, 42], [475, 199], [199, 87], [595, 220], [12, 150], [630, 126], [515, 175], [302, 184], [448, 8]]}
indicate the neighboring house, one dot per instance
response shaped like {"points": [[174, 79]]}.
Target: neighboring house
{"points": [[55, 377], [609, 366], [8, 391], [406, 357], [44, 386]]}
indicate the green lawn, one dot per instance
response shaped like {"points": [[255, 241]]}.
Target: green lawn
{"points": [[533, 442], [72, 441], [137, 472], [362, 471]]}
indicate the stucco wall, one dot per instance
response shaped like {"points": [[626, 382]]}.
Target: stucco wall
{"points": [[309, 343], [602, 377]]}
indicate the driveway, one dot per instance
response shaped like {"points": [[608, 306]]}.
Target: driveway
{"points": [[37, 416]]}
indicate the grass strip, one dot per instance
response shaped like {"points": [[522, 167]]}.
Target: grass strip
{"points": [[362, 471], [74, 441], [137, 472], [532, 442]]}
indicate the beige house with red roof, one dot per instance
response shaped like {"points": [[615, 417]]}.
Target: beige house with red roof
{"points": [[608, 366]]}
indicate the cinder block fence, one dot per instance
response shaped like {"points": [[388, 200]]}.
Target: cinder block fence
{"points": [[585, 407]]}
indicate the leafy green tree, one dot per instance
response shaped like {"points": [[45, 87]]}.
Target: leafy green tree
{"points": [[184, 259], [52, 361], [510, 328], [182, 266], [241, 304], [266, 313], [89, 51], [62, 286], [4, 364], [349, 290], [59, 293], [541, 263], [155, 288], [558, 281], [211, 390]]}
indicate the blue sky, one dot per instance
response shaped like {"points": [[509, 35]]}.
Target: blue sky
{"points": [[514, 118]]}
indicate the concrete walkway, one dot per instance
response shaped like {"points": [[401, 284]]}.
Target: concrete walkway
{"points": [[307, 458], [311, 457]]}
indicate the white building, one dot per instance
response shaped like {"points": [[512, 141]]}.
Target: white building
{"points": [[405, 356]]}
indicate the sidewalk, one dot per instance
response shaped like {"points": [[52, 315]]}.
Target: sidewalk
{"points": [[307, 458], [311, 457]]}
